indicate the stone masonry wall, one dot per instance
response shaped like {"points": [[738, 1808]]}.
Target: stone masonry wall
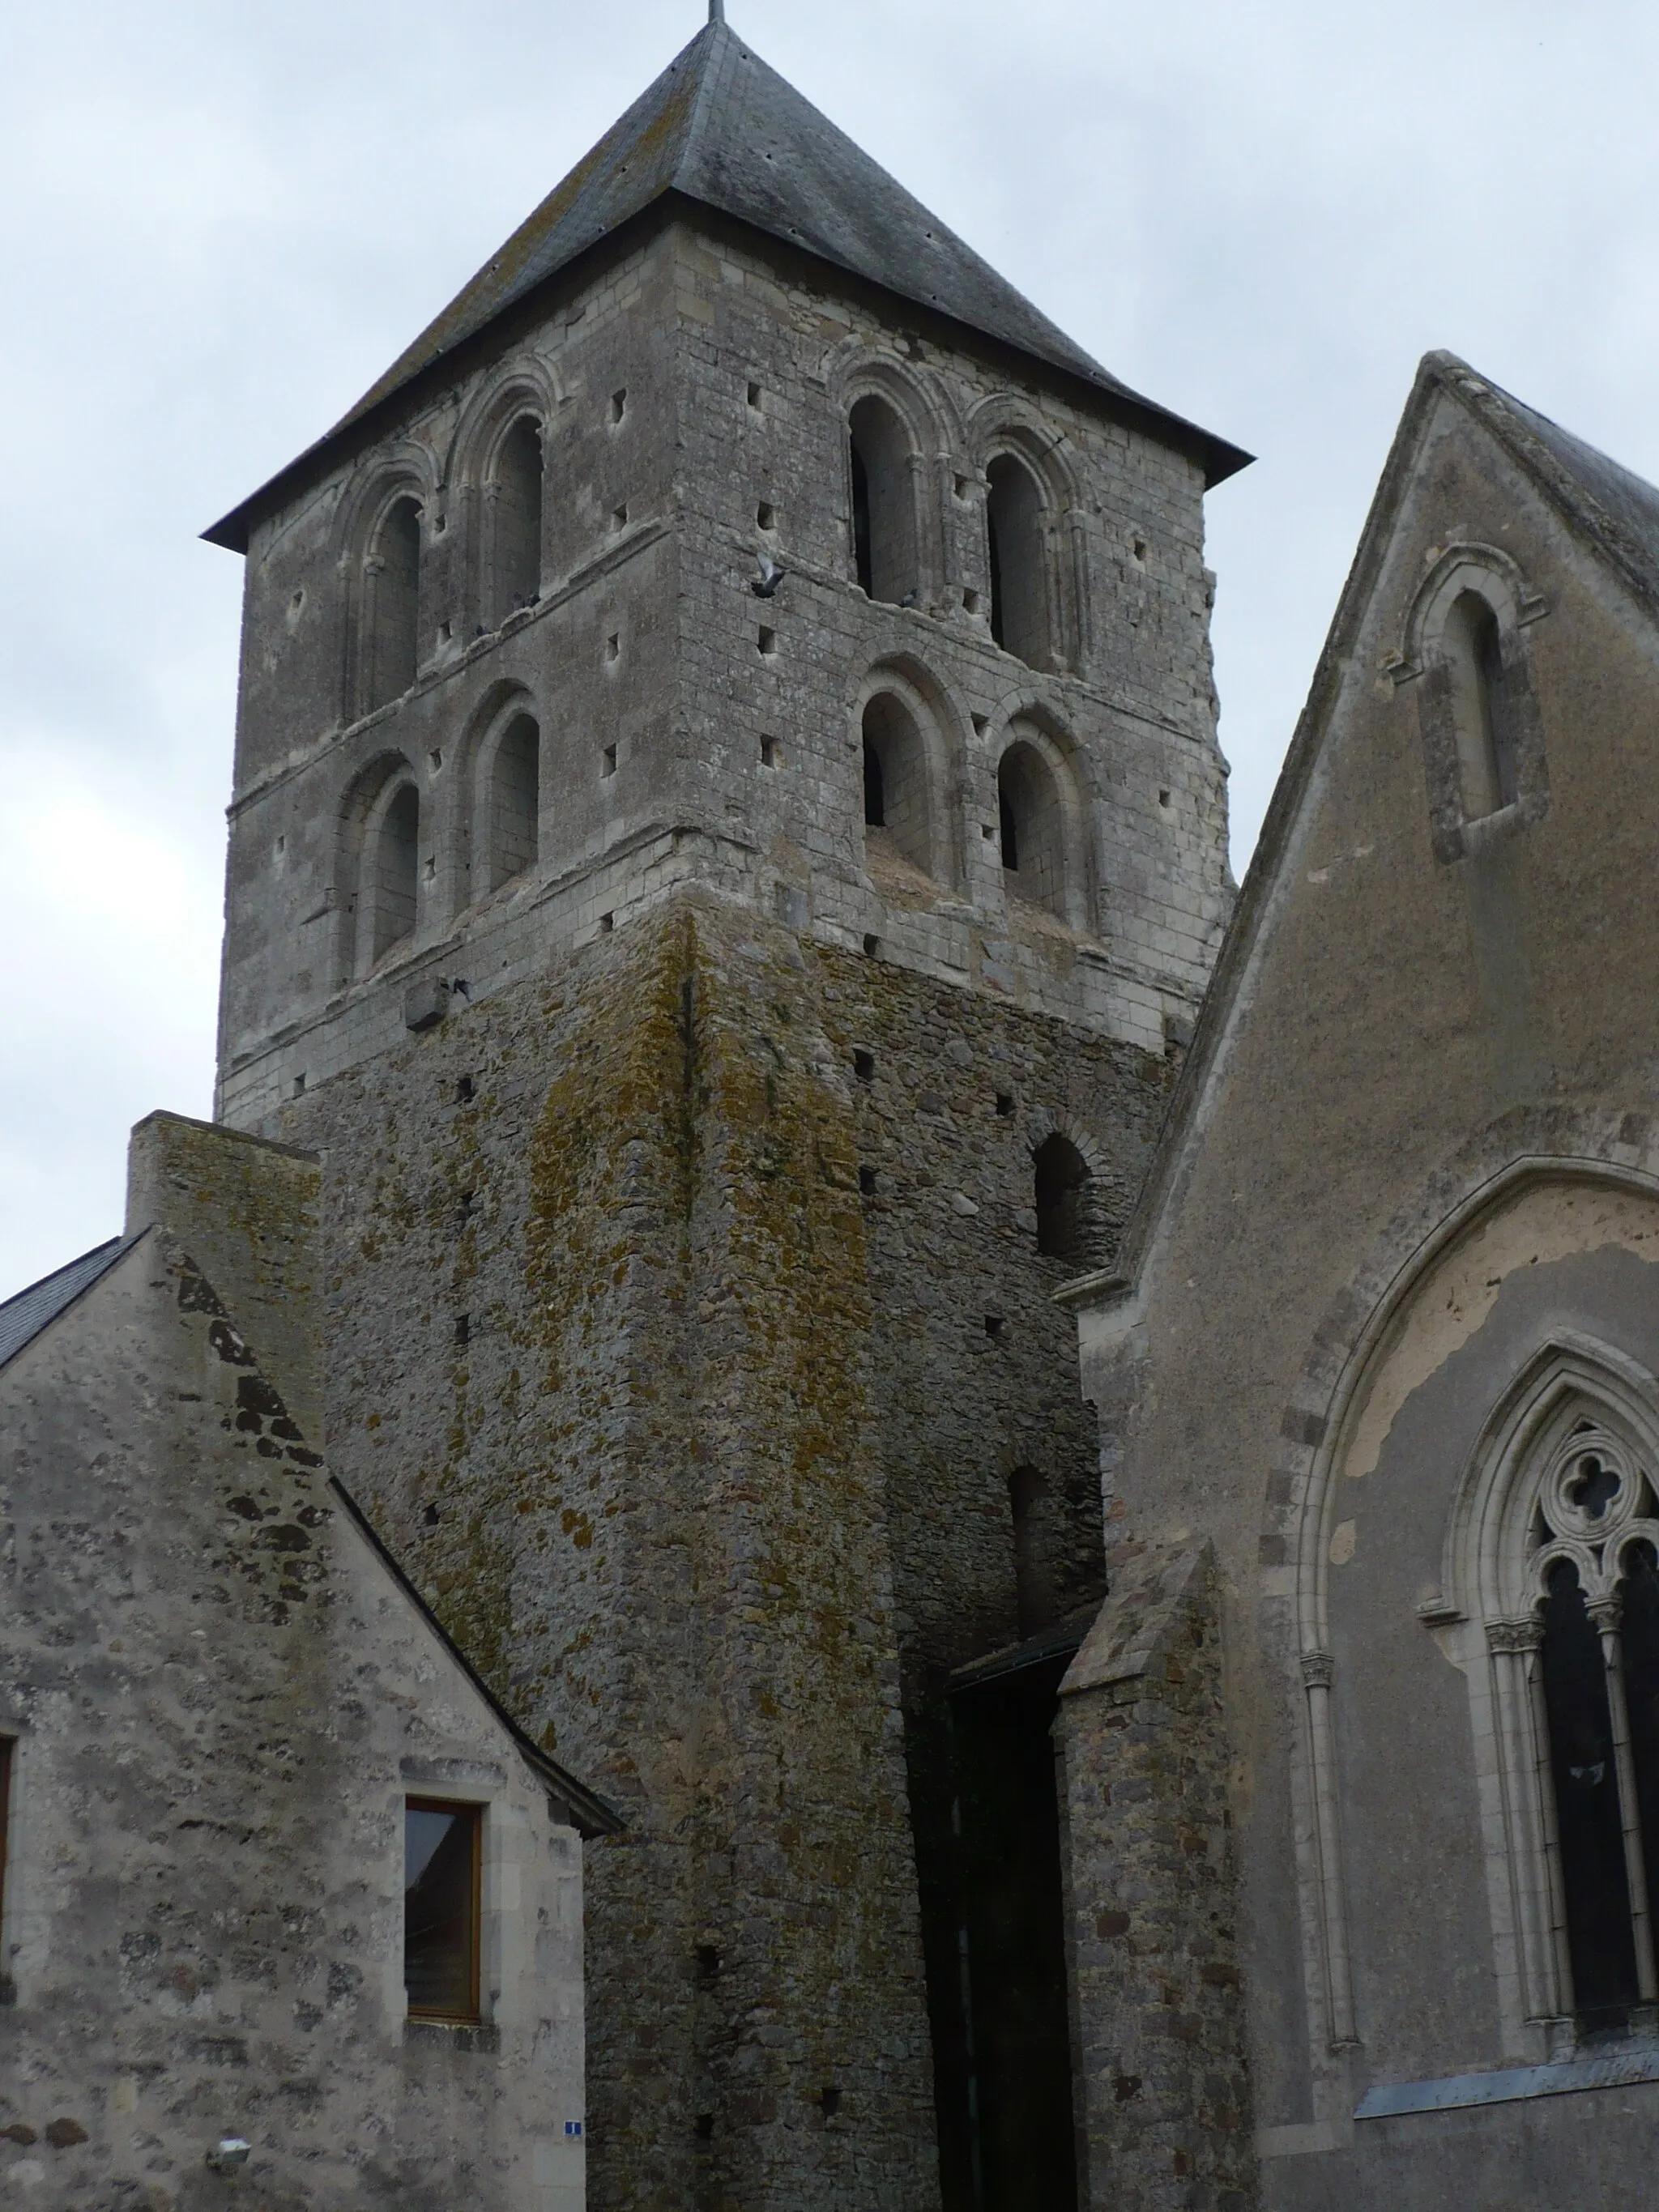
{"points": [[1162, 2098], [218, 1697], [702, 1449]]}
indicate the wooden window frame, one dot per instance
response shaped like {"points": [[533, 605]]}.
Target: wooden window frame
{"points": [[475, 1813]]}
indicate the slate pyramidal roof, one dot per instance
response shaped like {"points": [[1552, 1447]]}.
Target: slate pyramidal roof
{"points": [[720, 130]]}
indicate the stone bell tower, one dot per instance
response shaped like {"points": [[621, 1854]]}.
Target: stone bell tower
{"points": [[727, 839]]}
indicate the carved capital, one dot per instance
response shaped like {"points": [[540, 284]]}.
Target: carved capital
{"points": [[1318, 1670], [1518, 1636]]}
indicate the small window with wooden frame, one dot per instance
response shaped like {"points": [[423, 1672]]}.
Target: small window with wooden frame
{"points": [[443, 1896]]}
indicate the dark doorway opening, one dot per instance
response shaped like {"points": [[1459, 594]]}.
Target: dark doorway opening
{"points": [[1002, 2036]]}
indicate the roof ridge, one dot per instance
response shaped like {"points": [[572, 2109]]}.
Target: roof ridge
{"points": [[721, 129]]}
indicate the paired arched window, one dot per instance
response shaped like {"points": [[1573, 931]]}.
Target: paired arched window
{"points": [[883, 503], [516, 498], [394, 870], [897, 794], [1032, 820], [393, 605], [1472, 648], [514, 805], [1019, 559]]}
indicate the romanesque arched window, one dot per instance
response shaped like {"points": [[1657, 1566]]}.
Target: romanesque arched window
{"points": [[394, 870], [1065, 1208], [898, 800], [1471, 649], [1019, 559], [883, 503], [514, 801], [516, 517], [1032, 825], [391, 604]]}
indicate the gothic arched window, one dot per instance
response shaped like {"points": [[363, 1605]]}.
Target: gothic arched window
{"points": [[393, 605], [1472, 647], [883, 503], [1019, 589], [517, 501], [514, 803], [1594, 1535], [1065, 1209]]}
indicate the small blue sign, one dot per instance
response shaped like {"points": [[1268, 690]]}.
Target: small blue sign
{"points": [[572, 2127]]}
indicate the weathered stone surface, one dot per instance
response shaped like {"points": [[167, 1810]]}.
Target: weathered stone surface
{"points": [[1162, 2097], [218, 1696]]}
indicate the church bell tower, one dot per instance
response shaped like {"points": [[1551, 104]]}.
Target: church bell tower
{"points": [[728, 839]]}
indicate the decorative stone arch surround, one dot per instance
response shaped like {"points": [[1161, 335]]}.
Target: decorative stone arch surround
{"points": [[1024, 717], [362, 807], [502, 704], [409, 469], [944, 730], [1004, 422], [1492, 576], [1612, 1150]]}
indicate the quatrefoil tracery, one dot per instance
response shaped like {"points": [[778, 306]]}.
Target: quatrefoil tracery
{"points": [[1595, 1508]]}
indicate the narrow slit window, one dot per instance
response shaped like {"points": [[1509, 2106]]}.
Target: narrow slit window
{"points": [[443, 1873], [1486, 765]]}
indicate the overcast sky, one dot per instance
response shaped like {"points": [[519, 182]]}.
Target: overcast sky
{"points": [[218, 223]]}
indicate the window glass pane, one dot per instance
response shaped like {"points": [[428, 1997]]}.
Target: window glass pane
{"points": [[1599, 1932], [440, 1896], [1641, 1648]]}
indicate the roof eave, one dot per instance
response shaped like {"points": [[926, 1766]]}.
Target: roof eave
{"points": [[1219, 458]]}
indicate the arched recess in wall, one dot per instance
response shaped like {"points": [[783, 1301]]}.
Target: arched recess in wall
{"points": [[1553, 1554], [1071, 1195], [1042, 825], [390, 622], [882, 455], [510, 791], [1428, 1282], [378, 865], [1466, 652], [1017, 550], [514, 496], [904, 759]]}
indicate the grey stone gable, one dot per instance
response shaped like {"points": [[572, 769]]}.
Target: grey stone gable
{"points": [[721, 129], [1617, 510], [1612, 512], [23, 1317]]}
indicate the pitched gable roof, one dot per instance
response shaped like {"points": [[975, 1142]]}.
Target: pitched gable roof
{"points": [[23, 1316], [1614, 513], [587, 1811], [722, 130]]}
